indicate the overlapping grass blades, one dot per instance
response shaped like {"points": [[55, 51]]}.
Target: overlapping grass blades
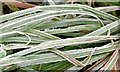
{"points": [[43, 32], [58, 7]]}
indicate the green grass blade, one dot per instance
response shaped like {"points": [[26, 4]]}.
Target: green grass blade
{"points": [[69, 22], [104, 29], [42, 34], [73, 29], [108, 8], [14, 8]]}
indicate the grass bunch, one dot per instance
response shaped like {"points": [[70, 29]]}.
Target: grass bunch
{"points": [[59, 38]]}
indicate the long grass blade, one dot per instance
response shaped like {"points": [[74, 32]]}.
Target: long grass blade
{"points": [[58, 7]]}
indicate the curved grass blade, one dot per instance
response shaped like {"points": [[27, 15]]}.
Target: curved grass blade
{"points": [[62, 54], [21, 39], [56, 8], [78, 7], [8, 33], [42, 34]]}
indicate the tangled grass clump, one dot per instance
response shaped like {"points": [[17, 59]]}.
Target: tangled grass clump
{"points": [[59, 37]]}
